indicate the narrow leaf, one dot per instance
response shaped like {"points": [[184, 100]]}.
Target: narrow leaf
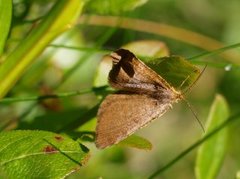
{"points": [[211, 153], [176, 70], [113, 7], [5, 21], [61, 17], [210, 134], [39, 154], [136, 142]]}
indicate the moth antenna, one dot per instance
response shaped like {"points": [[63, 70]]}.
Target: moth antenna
{"points": [[190, 87], [183, 82], [194, 113]]}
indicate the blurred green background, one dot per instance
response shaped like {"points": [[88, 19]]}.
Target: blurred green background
{"points": [[63, 69]]}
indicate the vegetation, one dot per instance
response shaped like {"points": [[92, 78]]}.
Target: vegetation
{"points": [[53, 77]]}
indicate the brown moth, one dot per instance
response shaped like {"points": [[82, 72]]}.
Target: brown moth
{"points": [[144, 96]]}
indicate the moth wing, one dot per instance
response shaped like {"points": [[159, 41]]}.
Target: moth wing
{"points": [[120, 115], [129, 73]]}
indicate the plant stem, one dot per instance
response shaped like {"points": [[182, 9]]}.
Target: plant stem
{"points": [[59, 95], [195, 145], [214, 52]]}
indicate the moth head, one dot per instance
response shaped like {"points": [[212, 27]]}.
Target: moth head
{"points": [[178, 96], [121, 54]]}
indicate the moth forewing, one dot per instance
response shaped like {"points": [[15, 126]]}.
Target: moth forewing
{"points": [[131, 74], [120, 115]]}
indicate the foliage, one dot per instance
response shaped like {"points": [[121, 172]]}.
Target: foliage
{"points": [[53, 76], [57, 155], [211, 153]]}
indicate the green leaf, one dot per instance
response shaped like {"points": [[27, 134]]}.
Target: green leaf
{"points": [[136, 142], [114, 7], [54, 121], [5, 21], [148, 48], [39, 154], [175, 70], [211, 154], [85, 117], [238, 175], [61, 17]]}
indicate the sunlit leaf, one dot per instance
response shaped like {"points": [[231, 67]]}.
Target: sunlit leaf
{"points": [[136, 142], [39, 154], [238, 175], [148, 48], [211, 154], [175, 70]]}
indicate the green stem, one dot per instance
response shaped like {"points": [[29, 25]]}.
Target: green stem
{"points": [[215, 52], [195, 145], [222, 65], [59, 95], [87, 49]]}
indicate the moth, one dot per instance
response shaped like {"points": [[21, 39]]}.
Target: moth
{"points": [[142, 97]]}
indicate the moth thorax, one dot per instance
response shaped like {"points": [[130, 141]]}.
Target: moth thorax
{"points": [[177, 96]]}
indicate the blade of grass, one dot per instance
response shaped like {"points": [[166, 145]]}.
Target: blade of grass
{"points": [[60, 18], [59, 95], [86, 49], [229, 121], [176, 33], [215, 52], [222, 65], [5, 21], [226, 66]]}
